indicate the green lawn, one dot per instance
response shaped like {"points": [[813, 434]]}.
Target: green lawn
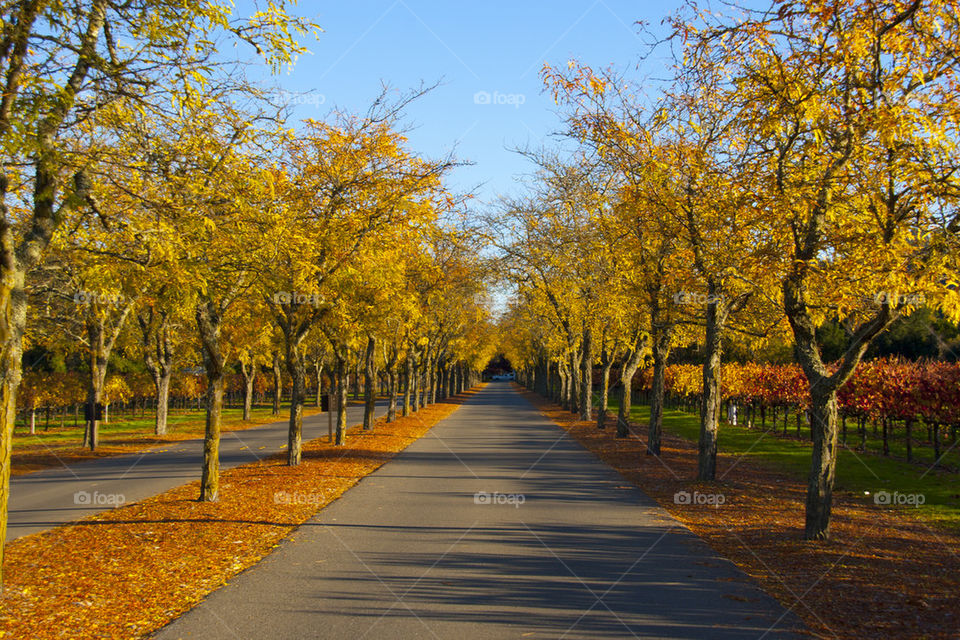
{"points": [[856, 472], [123, 434], [125, 427]]}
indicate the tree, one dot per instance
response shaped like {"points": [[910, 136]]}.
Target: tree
{"points": [[850, 120], [61, 65], [345, 185]]}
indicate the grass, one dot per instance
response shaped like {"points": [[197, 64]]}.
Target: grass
{"points": [[857, 473], [124, 434]]}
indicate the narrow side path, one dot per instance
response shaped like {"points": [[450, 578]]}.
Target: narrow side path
{"points": [[45, 499], [494, 525]]}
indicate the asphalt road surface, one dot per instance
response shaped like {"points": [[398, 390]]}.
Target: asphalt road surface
{"points": [[45, 499], [493, 525]]}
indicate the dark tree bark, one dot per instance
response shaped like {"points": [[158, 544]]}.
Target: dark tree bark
{"points": [[342, 395], [711, 398], [277, 383], [370, 384], [392, 388], [823, 393], [542, 382], [606, 363], [356, 377], [630, 366], [573, 381], [586, 375], [662, 336]]}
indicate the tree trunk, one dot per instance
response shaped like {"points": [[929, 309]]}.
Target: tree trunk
{"points": [[298, 394], [100, 341], [13, 317], [277, 383], [823, 391], [428, 374], [444, 375], [415, 385], [543, 379], [162, 384], [249, 377], [95, 384], [586, 375], [370, 385], [606, 363], [356, 378], [573, 383], [629, 369], [392, 392], [434, 380], [407, 384], [208, 323], [342, 395], [564, 385], [661, 339], [158, 358], [319, 368], [710, 399], [823, 424]]}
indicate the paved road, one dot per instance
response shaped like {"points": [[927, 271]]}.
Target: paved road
{"points": [[45, 499], [409, 553]]}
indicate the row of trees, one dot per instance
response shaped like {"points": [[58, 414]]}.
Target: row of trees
{"points": [[65, 393], [157, 206], [800, 168]]}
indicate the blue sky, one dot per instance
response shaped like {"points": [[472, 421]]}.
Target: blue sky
{"points": [[488, 56]]}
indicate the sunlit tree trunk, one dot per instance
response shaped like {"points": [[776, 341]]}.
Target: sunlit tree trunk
{"points": [[318, 365], [408, 384], [298, 394], [158, 358], [100, 341], [342, 398], [209, 322], [249, 372]]}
